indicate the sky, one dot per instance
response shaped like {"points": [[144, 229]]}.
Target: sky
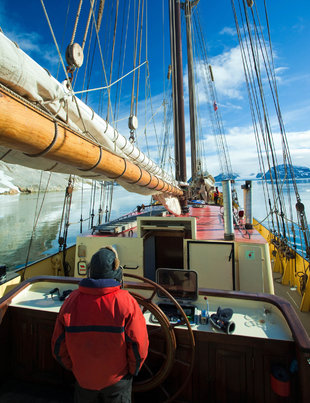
{"points": [[289, 23]]}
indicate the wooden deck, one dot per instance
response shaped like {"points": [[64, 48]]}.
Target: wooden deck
{"points": [[210, 226]]}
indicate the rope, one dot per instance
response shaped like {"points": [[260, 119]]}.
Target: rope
{"points": [[99, 46], [134, 60], [100, 13], [64, 224], [76, 22], [110, 85], [256, 56], [61, 59], [82, 197], [121, 69], [138, 79], [36, 219], [112, 56], [87, 26], [63, 36]]}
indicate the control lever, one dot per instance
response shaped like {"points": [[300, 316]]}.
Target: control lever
{"points": [[61, 297], [221, 320]]}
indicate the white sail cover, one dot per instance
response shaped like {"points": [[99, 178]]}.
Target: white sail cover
{"points": [[28, 79]]}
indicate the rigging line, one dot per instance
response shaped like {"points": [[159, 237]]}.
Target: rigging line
{"points": [[145, 72], [269, 37], [216, 120], [87, 26], [120, 70], [87, 63], [257, 69], [36, 218], [249, 85], [284, 139], [163, 44], [76, 22], [110, 85], [99, 47], [100, 13], [279, 117], [282, 206], [139, 58], [82, 199], [118, 97], [205, 76], [62, 240], [92, 202], [134, 60], [255, 95], [153, 115], [55, 42], [111, 199], [62, 62], [63, 36], [112, 56], [152, 111], [286, 153], [100, 209]]}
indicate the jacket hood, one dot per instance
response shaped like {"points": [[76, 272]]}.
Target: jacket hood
{"points": [[99, 286]]}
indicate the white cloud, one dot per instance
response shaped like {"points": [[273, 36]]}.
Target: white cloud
{"points": [[228, 73], [228, 31], [31, 43], [243, 151]]}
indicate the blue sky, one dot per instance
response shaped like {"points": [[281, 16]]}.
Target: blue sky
{"points": [[290, 32]]}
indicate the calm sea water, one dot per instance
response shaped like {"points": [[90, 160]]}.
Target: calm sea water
{"points": [[18, 215]]}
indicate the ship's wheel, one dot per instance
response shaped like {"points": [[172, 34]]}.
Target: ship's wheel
{"points": [[170, 360]]}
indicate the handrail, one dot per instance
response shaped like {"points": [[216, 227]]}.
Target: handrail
{"points": [[300, 336]]}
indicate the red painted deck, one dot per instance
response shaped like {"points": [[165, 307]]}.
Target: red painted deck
{"points": [[210, 225]]}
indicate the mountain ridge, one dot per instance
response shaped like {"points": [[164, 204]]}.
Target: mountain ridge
{"points": [[300, 172]]}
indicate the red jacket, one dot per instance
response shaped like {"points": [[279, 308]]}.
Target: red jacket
{"points": [[100, 334]]}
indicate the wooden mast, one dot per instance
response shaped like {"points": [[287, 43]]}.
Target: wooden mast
{"points": [[26, 129], [188, 5], [178, 92]]}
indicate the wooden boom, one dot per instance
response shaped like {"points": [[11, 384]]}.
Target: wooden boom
{"points": [[25, 128]]}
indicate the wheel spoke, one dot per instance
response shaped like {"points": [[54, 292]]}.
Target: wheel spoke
{"points": [[185, 363], [148, 369], [163, 355], [164, 390], [163, 331], [152, 296]]}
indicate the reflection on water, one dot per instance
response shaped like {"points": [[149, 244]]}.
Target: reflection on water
{"points": [[18, 214]]}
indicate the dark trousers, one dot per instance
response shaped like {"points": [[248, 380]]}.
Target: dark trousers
{"points": [[120, 392]]}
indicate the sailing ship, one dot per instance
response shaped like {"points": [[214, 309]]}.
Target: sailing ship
{"points": [[201, 274]]}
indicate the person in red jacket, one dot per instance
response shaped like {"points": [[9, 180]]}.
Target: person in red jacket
{"points": [[100, 333]]}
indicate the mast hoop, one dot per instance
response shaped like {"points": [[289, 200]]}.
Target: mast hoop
{"points": [[154, 187], [149, 180], [125, 168], [49, 147], [141, 173], [94, 166]]}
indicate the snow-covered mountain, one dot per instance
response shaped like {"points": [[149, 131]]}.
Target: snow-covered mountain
{"points": [[222, 177], [18, 179], [283, 172]]}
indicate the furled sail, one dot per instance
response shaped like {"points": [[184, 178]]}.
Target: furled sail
{"points": [[25, 77]]}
